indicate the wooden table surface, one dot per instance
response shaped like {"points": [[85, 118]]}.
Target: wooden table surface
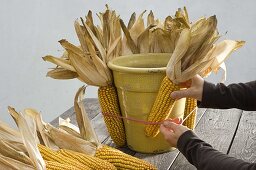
{"points": [[230, 131]]}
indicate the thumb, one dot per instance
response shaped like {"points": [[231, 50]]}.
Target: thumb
{"points": [[181, 94]]}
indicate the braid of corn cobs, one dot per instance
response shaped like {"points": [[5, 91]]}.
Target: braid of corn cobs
{"points": [[122, 160], [161, 107], [109, 104], [53, 165], [90, 161], [190, 105], [50, 155]]}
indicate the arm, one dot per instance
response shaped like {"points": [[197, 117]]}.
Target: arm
{"points": [[241, 96], [199, 153], [203, 156]]}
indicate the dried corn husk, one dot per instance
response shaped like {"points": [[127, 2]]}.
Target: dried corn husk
{"points": [[65, 140], [40, 126], [27, 127], [60, 62], [8, 163], [8, 133], [86, 130], [9, 151], [62, 74], [196, 53], [69, 127]]}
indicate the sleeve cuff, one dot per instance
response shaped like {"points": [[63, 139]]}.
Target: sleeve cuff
{"points": [[184, 139], [208, 94]]}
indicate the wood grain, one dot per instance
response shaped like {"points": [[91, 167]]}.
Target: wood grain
{"points": [[217, 127], [91, 106], [244, 144]]}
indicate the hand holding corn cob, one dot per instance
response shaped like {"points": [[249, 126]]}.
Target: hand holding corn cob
{"points": [[194, 53]]}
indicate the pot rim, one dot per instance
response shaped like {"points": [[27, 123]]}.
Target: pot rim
{"points": [[128, 69]]}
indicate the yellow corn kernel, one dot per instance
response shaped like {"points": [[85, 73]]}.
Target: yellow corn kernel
{"points": [[122, 160], [190, 105], [53, 165], [50, 155], [162, 106], [109, 104], [90, 161]]}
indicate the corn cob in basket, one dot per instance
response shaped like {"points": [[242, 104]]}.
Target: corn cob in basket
{"points": [[195, 53]]}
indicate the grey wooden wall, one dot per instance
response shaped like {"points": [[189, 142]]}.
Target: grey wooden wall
{"points": [[30, 29]]}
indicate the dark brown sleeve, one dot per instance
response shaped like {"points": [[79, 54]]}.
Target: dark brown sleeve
{"points": [[241, 96], [204, 157]]}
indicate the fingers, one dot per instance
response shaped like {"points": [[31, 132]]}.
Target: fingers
{"points": [[165, 131], [181, 94], [176, 120], [186, 84], [169, 135], [170, 125]]}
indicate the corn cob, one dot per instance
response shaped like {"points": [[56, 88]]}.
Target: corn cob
{"points": [[161, 107], [108, 100], [51, 155], [190, 105], [53, 165], [90, 161], [122, 160]]}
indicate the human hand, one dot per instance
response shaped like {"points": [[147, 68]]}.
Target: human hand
{"points": [[194, 89], [172, 130]]}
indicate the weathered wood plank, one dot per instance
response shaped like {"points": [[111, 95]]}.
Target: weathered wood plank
{"points": [[100, 128], [216, 127], [91, 106], [163, 161], [244, 144]]}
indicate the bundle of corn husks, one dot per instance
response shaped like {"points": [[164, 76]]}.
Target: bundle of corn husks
{"points": [[157, 37], [195, 53], [87, 62], [38, 145], [99, 44]]}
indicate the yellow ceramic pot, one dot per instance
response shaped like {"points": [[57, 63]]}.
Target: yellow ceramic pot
{"points": [[138, 78]]}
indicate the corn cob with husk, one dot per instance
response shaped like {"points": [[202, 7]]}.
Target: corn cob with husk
{"points": [[88, 64], [66, 141], [199, 58], [30, 125], [91, 154], [163, 104], [194, 53], [53, 159], [19, 149]]}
